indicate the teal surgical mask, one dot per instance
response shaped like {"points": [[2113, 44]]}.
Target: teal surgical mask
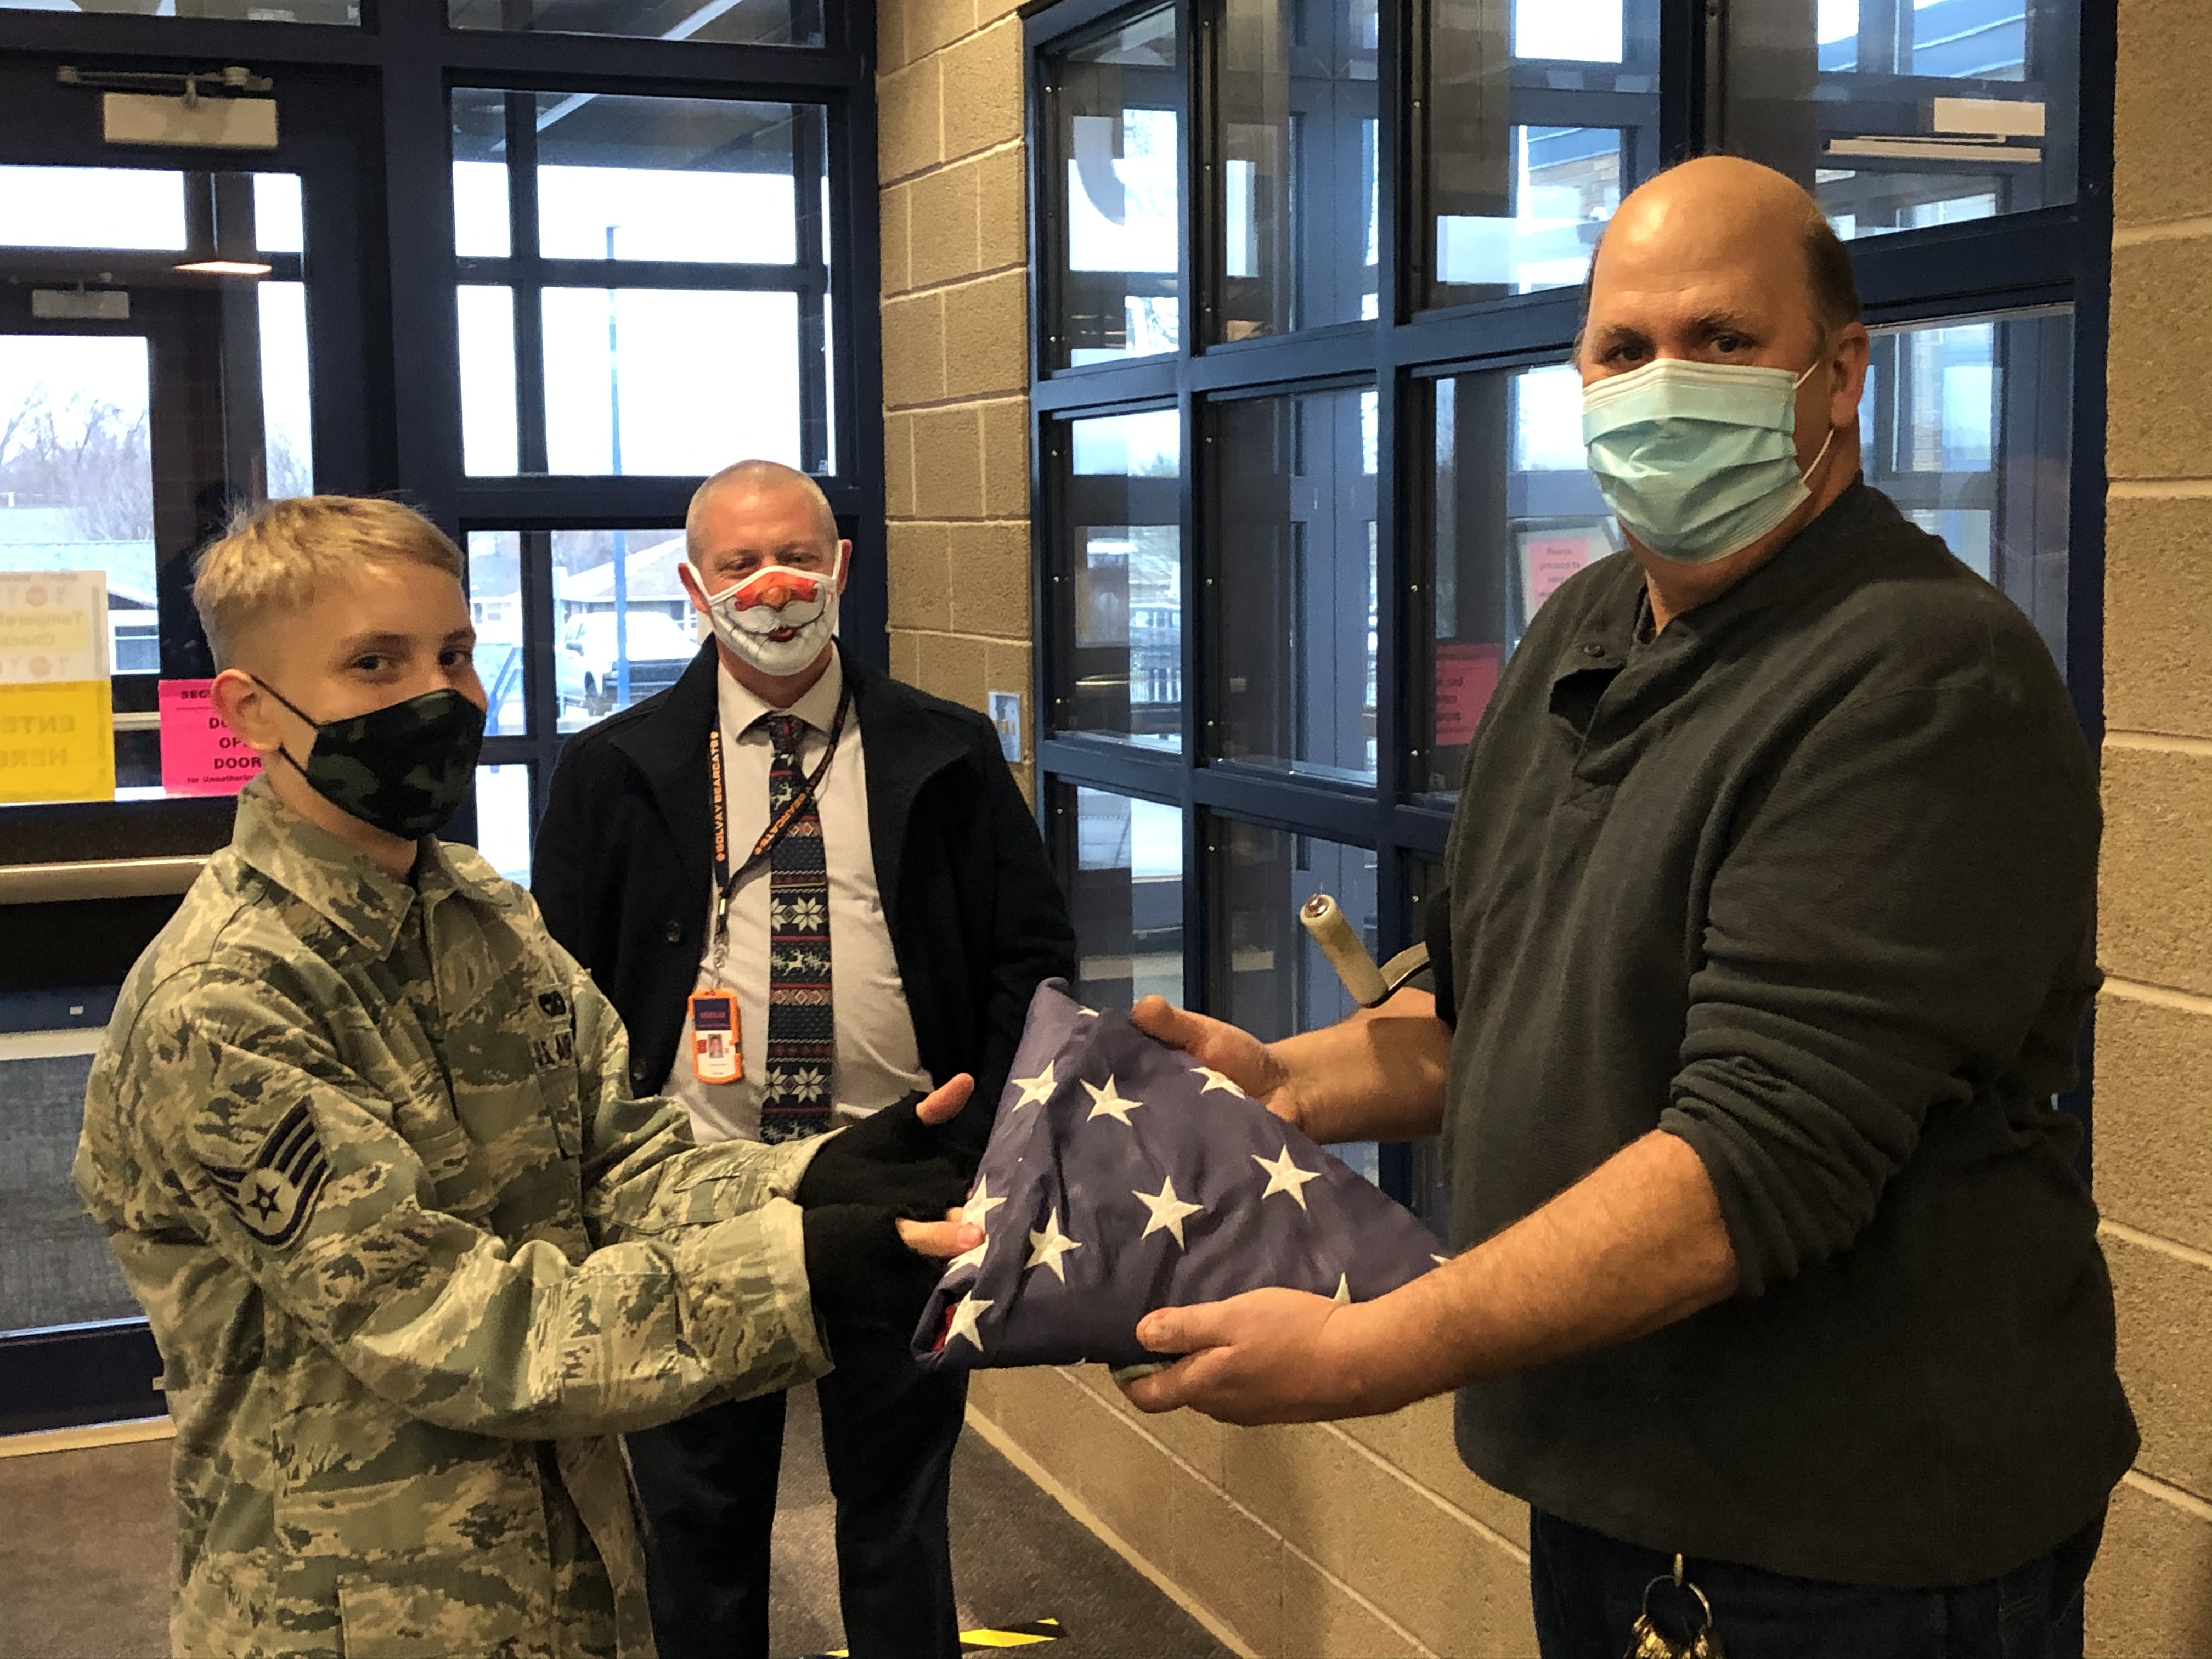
{"points": [[1698, 460]]}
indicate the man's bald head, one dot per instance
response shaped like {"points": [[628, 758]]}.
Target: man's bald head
{"points": [[1723, 262], [731, 486], [1725, 206]]}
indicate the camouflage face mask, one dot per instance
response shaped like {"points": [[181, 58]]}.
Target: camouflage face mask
{"points": [[403, 768]]}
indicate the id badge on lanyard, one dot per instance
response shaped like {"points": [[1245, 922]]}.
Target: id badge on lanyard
{"points": [[717, 1033], [718, 1053]]}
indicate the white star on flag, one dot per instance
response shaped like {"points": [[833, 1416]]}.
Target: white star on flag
{"points": [[1285, 1176], [1047, 1248], [1035, 1089], [1215, 1080], [979, 1204], [1109, 1102], [1167, 1211], [965, 1316]]}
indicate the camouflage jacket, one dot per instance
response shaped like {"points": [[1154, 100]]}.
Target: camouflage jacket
{"points": [[413, 1259]]}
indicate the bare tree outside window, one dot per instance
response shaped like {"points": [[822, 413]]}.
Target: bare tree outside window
{"points": [[84, 455]]}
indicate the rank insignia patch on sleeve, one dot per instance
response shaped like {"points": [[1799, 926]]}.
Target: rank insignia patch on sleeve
{"points": [[276, 1193]]}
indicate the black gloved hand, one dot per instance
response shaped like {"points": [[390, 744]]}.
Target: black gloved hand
{"points": [[892, 1160], [859, 1272]]}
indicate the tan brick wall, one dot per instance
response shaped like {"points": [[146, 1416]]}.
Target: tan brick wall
{"points": [[956, 358], [1355, 1540], [2152, 1591]]}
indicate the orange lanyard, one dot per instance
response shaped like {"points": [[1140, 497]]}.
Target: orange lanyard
{"points": [[726, 879]]}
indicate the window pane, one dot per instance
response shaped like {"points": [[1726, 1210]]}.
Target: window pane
{"points": [[1901, 113], [1269, 977], [1294, 621], [288, 430], [1298, 128], [681, 178], [1968, 427], [481, 224], [503, 820], [494, 578], [92, 207], [278, 220], [748, 22], [1514, 514], [670, 380], [1119, 603], [625, 628], [251, 11], [1121, 861], [488, 433], [76, 471], [1539, 119], [77, 494], [1112, 162], [78, 497]]}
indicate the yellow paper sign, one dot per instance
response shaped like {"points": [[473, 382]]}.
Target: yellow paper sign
{"points": [[53, 627], [57, 742]]}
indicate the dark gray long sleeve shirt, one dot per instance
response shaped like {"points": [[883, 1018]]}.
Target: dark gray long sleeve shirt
{"points": [[1808, 880]]}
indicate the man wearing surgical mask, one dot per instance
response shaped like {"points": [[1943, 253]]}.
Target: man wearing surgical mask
{"points": [[1769, 937], [812, 891]]}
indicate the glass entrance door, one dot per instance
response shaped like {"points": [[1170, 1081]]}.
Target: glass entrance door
{"points": [[161, 315]]}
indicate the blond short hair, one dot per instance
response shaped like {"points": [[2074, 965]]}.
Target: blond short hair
{"points": [[277, 556]]}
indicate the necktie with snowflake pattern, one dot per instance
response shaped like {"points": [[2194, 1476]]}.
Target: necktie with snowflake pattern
{"points": [[802, 1035]]}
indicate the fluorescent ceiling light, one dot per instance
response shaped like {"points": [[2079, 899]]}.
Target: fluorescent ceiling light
{"points": [[228, 268]]}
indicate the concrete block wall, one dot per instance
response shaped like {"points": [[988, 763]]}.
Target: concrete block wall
{"points": [[1366, 1540], [2152, 1591], [956, 357]]}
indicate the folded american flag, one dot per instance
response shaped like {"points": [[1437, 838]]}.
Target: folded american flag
{"points": [[1120, 1177]]}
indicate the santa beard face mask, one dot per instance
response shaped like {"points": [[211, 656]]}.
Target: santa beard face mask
{"points": [[779, 619]]}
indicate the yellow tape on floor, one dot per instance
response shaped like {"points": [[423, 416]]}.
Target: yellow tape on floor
{"points": [[1015, 1635], [979, 1640]]}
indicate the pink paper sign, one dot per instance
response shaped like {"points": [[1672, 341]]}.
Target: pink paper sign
{"points": [[200, 755], [1548, 563], [1466, 676]]}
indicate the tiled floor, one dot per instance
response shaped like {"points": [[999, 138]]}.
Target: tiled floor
{"points": [[84, 1552]]}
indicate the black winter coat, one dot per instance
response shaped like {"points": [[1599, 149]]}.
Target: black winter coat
{"points": [[623, 871]]}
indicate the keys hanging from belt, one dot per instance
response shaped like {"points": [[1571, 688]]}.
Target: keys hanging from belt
{"points": [[1647, 1641]]}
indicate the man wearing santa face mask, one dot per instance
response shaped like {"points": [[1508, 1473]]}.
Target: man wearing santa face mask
{"points": [[810, 891]]}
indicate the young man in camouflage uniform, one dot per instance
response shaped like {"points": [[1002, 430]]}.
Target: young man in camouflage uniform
{"points": [[360, 1137]]}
